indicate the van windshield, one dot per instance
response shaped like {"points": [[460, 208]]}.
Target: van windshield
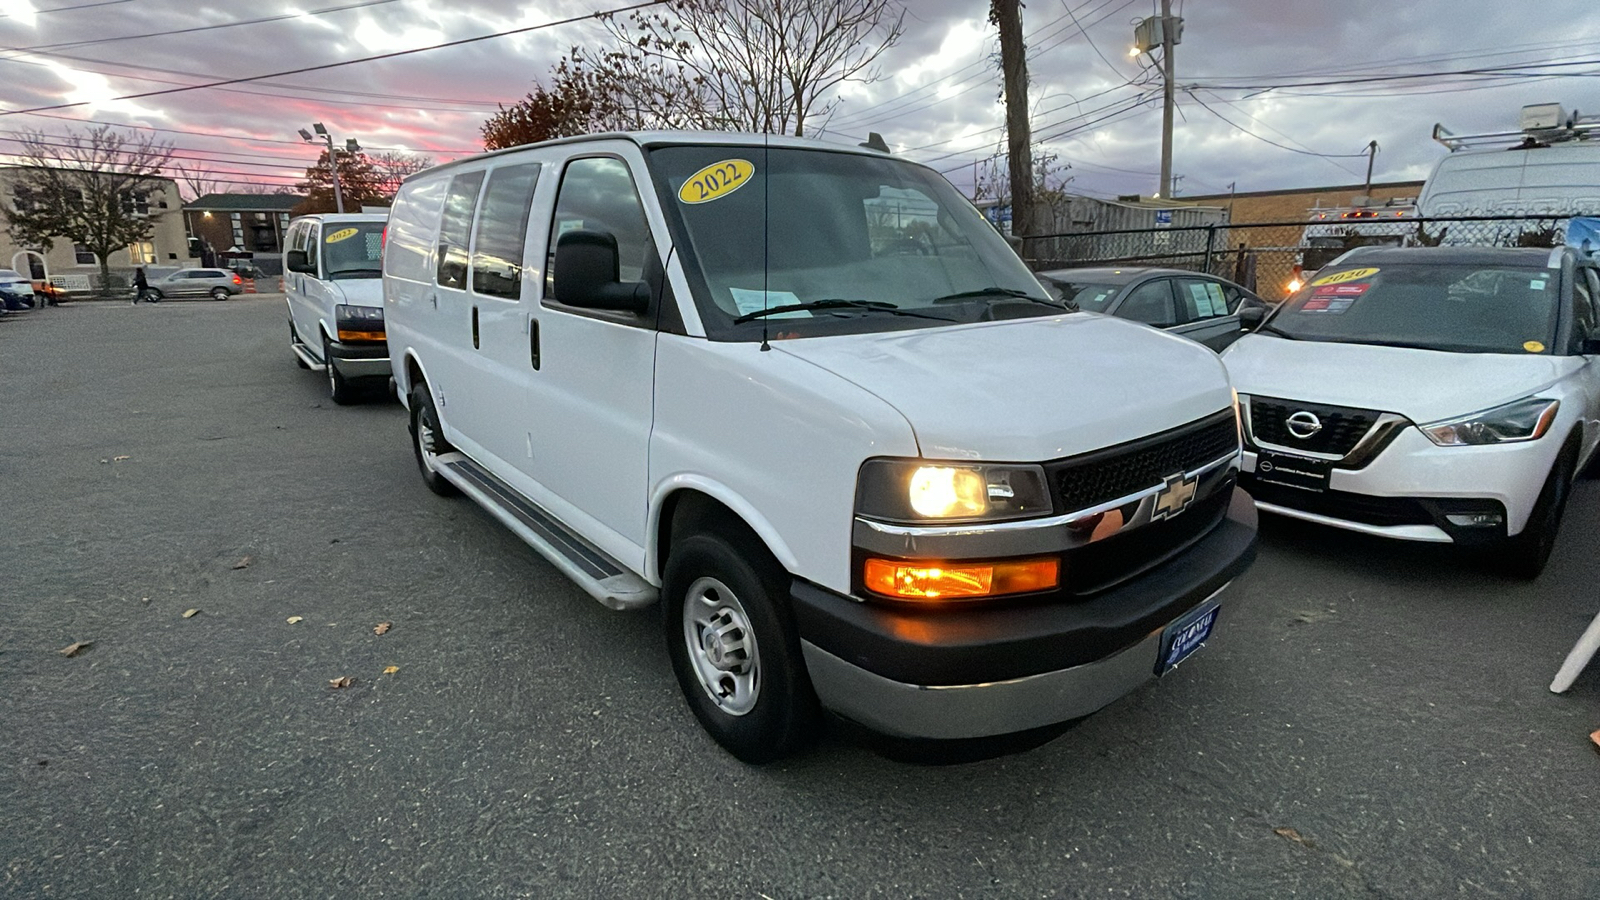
{"points": [[867, 243], [352, 250]]}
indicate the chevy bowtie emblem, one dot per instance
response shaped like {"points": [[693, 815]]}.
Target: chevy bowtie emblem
{"points": [[1174, 497]]}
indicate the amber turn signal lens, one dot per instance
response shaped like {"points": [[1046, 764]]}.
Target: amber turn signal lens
{"points": [[930, 580], [345, 335]]}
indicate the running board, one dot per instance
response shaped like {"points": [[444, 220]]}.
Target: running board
{"points": [[306, 357], [602, 577]]}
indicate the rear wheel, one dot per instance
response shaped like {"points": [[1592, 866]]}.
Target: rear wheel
{"points": [[427, 441], [1525, 555], [219, 293], [734, 648], [340, 389]]}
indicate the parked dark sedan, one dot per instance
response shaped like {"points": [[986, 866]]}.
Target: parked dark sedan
{"points": [[1200, 307]]}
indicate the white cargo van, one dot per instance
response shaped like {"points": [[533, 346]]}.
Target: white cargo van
{"points": [[808, 397], [333, 285], [1549, 167]]}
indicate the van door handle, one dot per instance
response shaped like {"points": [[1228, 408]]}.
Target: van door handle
{"points": [[434, 299], [475, 345], [533, 343]]}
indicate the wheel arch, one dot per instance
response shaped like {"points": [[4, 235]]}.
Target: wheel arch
{"points": [[684, 501]]}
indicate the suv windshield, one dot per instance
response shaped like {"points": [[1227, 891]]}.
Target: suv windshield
{"points": [[1455, 307], [352, 250], [847, 242]]}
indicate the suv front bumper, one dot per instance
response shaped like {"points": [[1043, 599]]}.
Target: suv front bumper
{"points": [[982, 670]]}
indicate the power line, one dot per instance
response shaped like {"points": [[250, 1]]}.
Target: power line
{"points": [[135, 37], [40, 12], [1092, 45], [1236, 125], [228, 137], [348, 62]]}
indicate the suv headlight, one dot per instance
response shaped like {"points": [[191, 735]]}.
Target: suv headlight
{"points": [[916, 490], [1522, 420]]}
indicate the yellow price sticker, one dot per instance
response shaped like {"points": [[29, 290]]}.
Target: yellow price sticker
{"points": [[1342, 277], [1533, 347], [716, 181], [342, 234]]}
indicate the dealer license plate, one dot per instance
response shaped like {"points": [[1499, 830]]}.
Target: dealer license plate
{"points": [[1294, 471], [1185, 636]]}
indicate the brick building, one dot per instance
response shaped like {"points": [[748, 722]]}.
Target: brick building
{"points": [[78, 267], [252, 223], [1295, 204]]}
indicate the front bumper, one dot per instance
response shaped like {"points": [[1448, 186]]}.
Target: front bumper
{"points": [[991, 670], [365, 360], [1409, 490]]}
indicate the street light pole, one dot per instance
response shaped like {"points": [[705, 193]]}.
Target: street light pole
{"points": [[333, 158], [1167, 67]]}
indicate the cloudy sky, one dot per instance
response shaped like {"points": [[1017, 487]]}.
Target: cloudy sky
{"points": [[1273, 93]]}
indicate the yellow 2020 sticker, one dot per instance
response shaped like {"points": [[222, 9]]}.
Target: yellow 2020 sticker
{"points": [[340, 235], [716, 180], [1533, 347], [1342, 277]]}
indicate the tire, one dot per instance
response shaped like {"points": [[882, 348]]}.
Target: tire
{"points": [[294, 341], [427, 440], [749, 689], [1525, 555], [340, 390], [220, 294]]}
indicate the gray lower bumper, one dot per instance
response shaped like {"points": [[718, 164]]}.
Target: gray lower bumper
{"points": [[978, 710], [363, 368]]}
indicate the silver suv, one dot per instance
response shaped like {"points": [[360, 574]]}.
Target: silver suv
{"points": [[218, 284]]}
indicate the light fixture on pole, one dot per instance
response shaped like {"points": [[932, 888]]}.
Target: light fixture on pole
{"points": [[350, 146], [1164, 31]]}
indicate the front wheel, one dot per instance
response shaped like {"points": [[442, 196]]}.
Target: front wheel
{"points": [[1525, 555], [427, 441], [219, 293], [734, 648], [340, 390]]}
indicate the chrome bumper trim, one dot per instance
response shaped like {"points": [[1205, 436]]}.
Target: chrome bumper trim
{"points": [[1427, 533]]}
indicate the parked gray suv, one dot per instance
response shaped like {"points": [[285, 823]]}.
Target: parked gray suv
{"points": [[218, 284]]}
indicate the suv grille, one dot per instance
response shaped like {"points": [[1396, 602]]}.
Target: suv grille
{"points": [[1342, 426], [1094, 478]]}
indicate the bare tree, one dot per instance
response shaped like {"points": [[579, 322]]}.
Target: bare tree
{"points": [[756, 65], [195, 181], [392, 167], [91, 188]]}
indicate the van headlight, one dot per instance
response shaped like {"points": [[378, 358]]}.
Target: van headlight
{"points": [[916, 490], [359, 323], [1522, 420]]}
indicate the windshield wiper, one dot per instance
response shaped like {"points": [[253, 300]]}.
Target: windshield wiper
{"points": [[998, 292], [836, 303]]}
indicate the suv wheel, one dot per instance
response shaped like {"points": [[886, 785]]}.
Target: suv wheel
{"points": [[219, 293], [427, 441], [1525, 555], [340, 389], [734, 648]]}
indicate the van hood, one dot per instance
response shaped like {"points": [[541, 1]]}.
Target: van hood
{"points": [[359, 291], [1422, 385], [1028, 390]]}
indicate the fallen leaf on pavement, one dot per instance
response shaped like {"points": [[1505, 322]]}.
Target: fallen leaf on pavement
{"points": [[1593, 737], [243, 563], [381, 628], [105, 462], [190, 613], [73, 648], [120, 458], [295, 620], [342, 681], [390, 670], [1291, 834]]}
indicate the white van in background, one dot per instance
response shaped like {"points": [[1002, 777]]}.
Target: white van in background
{"points": [[333, 284], [1550, 167]]}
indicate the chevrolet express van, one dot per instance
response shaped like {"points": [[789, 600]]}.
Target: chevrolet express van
{"points": [[332, 285], [808, 398]]}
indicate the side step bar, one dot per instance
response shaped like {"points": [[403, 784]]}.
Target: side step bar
{"points": [[602, 577], [306, 357]]}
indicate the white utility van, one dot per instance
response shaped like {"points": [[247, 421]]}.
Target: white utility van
{"points": [[332, 283], [1549, 167], [806, 396]]}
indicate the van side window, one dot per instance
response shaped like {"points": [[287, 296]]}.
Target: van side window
{"points": [[502, 231], [597, 194], [455, 227]]}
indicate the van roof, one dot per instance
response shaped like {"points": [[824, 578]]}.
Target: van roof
{"points": [[645, 139], [1511, 257], [346, 217]]}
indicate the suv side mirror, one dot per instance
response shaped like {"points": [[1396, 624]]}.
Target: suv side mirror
{"points": [[586, 274], [1252, 316], [295, 261]]}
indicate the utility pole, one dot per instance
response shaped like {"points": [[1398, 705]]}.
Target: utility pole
{"points": [[1007, 17], [1168, 27], [1372, 156]]}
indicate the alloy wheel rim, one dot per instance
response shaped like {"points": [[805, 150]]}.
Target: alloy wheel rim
{"points": [[722, 646], [425, 442]]}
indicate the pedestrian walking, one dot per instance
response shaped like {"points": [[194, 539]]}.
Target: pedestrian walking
{"points": [[141, 284]]}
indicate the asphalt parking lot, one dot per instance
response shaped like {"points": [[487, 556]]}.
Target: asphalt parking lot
{"points": [[1370, 719]]}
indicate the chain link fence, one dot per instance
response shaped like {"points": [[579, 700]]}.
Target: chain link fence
{"points": [[1266, 256]]}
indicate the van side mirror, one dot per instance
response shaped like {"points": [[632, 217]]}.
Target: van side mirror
{"points": [[586, 274], [1252, 316], [1591, 347], [295, 261]]}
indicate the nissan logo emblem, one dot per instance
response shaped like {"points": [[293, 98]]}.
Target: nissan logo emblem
{"points": [[1303, 425]]}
